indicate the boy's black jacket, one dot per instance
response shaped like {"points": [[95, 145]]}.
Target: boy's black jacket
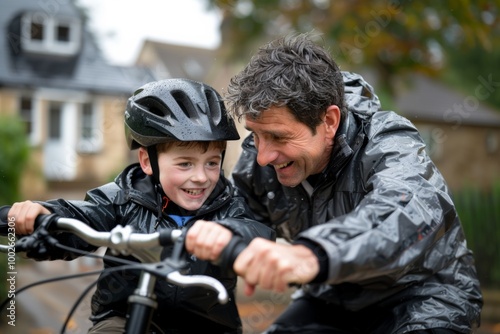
{"points": [[132, 200]]}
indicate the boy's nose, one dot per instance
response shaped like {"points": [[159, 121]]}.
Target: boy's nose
{"points": [[199, 174]]}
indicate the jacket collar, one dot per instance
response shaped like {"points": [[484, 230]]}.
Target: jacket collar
{"points": [[349, 139]]}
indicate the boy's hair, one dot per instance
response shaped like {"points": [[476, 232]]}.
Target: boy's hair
{"points": [[203, 146]]}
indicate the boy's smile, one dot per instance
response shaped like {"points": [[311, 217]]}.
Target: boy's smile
{"points": [[189, 176]]}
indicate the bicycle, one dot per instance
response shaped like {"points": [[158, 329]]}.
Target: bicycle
{"points": [[122, 240]]}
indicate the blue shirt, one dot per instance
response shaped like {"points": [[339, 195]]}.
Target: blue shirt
{"points": [[180, 220]]}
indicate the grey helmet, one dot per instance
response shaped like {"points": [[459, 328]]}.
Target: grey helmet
{"points": [[176, 109]]}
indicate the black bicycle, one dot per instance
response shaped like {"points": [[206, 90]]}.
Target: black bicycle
{"points": [[121, 240]]}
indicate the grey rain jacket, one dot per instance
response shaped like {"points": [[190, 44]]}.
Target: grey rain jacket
{"points": [[131, 200], [383, 214]]}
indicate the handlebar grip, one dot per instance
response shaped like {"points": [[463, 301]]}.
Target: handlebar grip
{"points": [[168, 236], [229, 254], [51, 221], [4, 220]]}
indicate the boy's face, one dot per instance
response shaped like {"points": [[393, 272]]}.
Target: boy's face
{"points": [[188, 176]]}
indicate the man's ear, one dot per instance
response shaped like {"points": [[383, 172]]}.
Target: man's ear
{"points": [[144, 161], [332, 121]]}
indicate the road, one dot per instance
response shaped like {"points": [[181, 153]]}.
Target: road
{"points": [[43, 309]]}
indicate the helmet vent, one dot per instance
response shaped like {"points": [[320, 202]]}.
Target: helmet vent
{"points": [[214, 106], [138, 91], [185, 103], [156, 107]]}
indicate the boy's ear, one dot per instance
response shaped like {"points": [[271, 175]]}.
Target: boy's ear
{"points": [[144, 161]]}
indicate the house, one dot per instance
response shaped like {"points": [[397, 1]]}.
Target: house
{"points": [[462, 133], [53, 75], [176, 61]]}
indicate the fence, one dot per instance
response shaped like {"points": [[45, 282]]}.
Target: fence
{"points": [[479, 211]]}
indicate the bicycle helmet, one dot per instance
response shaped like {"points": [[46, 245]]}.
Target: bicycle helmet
{"points": [[176, 109]]}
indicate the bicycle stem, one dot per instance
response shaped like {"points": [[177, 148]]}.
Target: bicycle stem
{"points": [[142, 305]]}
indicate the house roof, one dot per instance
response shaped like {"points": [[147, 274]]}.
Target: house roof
{"points": [[88, 70], [429, 100], [180, 61]]}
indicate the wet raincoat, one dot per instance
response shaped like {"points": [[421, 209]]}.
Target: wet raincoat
{"points": [[382, 213], [131, 200]]}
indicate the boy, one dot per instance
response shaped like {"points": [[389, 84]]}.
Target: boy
{"points": [[180, 128]]}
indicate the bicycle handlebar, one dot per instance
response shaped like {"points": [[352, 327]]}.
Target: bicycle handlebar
{"points": [[123, 240]]}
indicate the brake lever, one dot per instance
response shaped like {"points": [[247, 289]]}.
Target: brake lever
{"points": [[171, 273], [199, 280], [38, 244]]}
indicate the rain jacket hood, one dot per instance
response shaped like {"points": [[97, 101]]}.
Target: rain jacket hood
{"points": [[131, 200], [382, 213]]}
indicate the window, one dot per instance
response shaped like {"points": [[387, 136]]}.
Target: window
{"points": [[491, 142], [26, 113], [55, 115], [62, 33], [90, 137], [87, 122], [41, 33], [36, 32], [29, 114]]}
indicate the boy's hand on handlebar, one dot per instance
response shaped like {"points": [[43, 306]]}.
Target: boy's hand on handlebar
{"points": [[206, 240], [274, 266], [25, 214]]}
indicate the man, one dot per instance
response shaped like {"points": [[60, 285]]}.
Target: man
{"points": [[375, 237]]}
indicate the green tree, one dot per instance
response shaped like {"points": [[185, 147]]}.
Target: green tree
{"points": [[471, 68], [14, 152], [389, 36]]}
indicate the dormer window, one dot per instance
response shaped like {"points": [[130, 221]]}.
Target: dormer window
{"points": [[50, 35]]}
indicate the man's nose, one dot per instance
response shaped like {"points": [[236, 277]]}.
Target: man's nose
{"points": [[266, 153]]}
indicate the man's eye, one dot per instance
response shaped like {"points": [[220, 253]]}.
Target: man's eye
{"points": [[255, 139], [277, 138]]}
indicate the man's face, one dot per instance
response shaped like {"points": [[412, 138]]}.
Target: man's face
{"points": [[290, 146]]}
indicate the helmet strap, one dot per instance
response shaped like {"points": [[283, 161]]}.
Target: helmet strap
{"points": [[162, 199], [153, 160]]}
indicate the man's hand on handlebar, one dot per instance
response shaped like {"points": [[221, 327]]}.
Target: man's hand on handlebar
{"points": [[268, 264], [25, 214], [274, 266]]}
